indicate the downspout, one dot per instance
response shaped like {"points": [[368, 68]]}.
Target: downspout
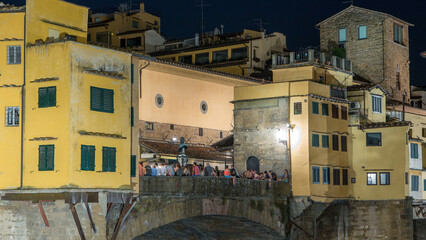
{"points": [[140, 78], [23, 107]]}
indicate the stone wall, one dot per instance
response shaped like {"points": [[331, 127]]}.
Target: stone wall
{"points": [[419, 229], [261, 131], [163, 132], [22, 220]]}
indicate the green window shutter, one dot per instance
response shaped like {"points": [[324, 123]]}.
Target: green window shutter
{"points": [[325, 109], [41, 158], [133, 166], [50, 158], [105, 158], [315, 109], [42, 97], [315, 140], [325, 141], [132, 117], [84, 157], [96, 99], [112, 160], [51, 92], [108, 100], [91, 162], [131, 73]]}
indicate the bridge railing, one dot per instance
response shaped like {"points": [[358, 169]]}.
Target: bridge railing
{"points": [[211, 186]]}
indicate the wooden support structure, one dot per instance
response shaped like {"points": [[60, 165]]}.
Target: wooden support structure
{"points": [[43, 214], [92, 224], [124, 212], [77, 221]]}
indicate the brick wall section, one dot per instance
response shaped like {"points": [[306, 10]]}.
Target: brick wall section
{"points": [[163, 132], [22, 220], [255, 134], [376, 57]]}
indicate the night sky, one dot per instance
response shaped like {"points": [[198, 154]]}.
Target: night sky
{"points": [[295, 18]]}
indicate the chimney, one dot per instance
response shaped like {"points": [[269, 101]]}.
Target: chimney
{"points": [[142, 7], [197, 39]]}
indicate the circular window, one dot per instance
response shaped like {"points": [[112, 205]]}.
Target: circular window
{"points": [[204, 107], [159, 100]]}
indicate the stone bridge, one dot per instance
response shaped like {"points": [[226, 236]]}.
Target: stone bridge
{"points": [[164, 200]]}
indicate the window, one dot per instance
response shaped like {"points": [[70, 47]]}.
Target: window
{"points": [[344, 176], [134, 42], [123, 43], [362, 32], [148, 27], [406, 178], [398, 78], [414, 150], [371, 178], [89, 37], [132, 117], [315, 140], [325, 109], [326, 175], [102, 37], [239, 53], [201, 58], [336, 176], [132, 74], [200, 132], [414, 183], [204, 107], [88, 158], [342, 35], [398, 33], [316, 175], [220, 56], [159, 100], [185, 59], [46, 157], [334, 111], [135, 24], [12, 116], [424, 185], [297, 108], [172, 127], [374, 139], [315, 108], [133, 166], [108, 159], [220, 134], [384, 178], [325, 141], [13, 54], [424, 132], [149, 126], [343, 141], [101, 100], [377, 103], [335, 140], [47, 97], [344, 112]]}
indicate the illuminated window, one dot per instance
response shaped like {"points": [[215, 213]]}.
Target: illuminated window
{"points": [[342, 35], [384, 178], [398, 33], [362, 32], [371, 178]]}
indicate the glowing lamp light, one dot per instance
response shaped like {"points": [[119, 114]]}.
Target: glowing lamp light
{"points": [[281, 135], [174, 139]]}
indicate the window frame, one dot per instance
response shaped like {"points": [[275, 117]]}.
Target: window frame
{"points": [[49, 98], [325, 109], [345, 176], [387, 179], [373, 173], [344, 112], [416, 146], [336, 177], [316, 179], [398, 35], [326, 175], [372, 145], [298, 106], [315, 136], [103, 107], [17, 55], [335, 111], [315, 108], [415, 187], [359, 32], [325, 139], [340, 35], [133, 164], [149, 126], [12, 118], [110, 159], [87, 160], [335, 142], [379, 99], [46, 161], [200, 132], [343, 144]]}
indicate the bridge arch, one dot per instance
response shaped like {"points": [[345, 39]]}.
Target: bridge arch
{"points": [[164, 200]]}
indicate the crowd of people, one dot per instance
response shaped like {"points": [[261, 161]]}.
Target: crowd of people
{"points": [[196, 170]]}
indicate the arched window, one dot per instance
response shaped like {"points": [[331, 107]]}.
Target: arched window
{"points": [[253, 164]]}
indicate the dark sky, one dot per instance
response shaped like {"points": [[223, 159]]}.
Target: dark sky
{"points": [[295, 18]]}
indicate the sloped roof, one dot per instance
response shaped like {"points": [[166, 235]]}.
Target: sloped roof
{"points": [[367, 87], [225, 142], [193, 151], [363, 9], [385, 124], [408, 109]]}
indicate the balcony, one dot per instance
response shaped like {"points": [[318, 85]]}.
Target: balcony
{"points": [[312, 57]]}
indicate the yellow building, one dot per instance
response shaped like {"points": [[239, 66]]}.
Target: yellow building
{"points": [[130, 29], [313, 133], [379, 159], [60, 136], [246, 53]]}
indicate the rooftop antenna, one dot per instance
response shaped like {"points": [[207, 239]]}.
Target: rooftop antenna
{"points": [[349, 1], [202, 5], [260, 23]]}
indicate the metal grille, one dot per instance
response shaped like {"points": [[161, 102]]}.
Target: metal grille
{"points": [[12, 116]]}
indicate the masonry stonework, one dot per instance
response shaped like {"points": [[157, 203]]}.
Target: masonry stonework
{"points": [[261, 131]]}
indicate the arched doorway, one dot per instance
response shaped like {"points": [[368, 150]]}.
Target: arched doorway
{"points": [[253, 164]]}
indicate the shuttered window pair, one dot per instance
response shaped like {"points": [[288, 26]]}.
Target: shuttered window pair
{"points": [[46, 157], [101, 100], [108, 159], [47, 97], [88, 158]]}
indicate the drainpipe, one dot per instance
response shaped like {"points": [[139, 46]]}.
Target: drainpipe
{"points": [[23, 108]]}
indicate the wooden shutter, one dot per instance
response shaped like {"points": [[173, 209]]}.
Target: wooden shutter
{"points": [[108, 100], [105, 159], [91, 160], [335, 139], [112, 161], [50, 158], [84, 157], [41, 158], [133, 166], [334, 111], [132, 117], [96, 99], [51, 92], [344, 112], [42, 97]]}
